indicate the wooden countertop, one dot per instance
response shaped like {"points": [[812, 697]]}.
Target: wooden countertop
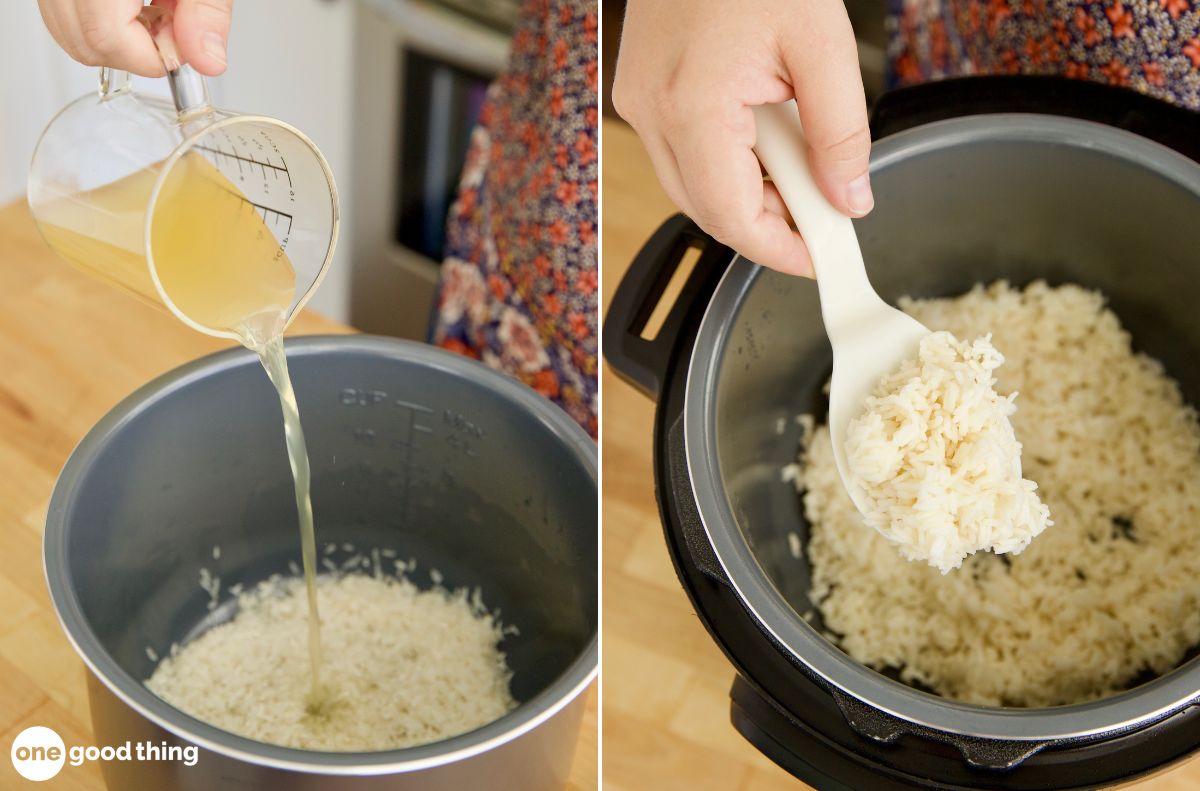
{"points": [[70, 349], [666, 684]]}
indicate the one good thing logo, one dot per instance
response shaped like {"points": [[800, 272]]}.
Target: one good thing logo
{"points": [[38, 753]]}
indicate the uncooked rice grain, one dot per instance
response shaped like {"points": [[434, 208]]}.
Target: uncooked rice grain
{"points": [[401, 666]]}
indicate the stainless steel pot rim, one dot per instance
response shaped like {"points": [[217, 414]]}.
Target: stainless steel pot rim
{"points": [[132, 691], [1129, 710]]}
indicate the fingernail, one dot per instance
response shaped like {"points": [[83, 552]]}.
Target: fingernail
{"points": [[214, 46], [859, 197]]}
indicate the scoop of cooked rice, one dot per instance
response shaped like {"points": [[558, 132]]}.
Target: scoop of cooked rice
{"points": [[935, 459], [1110, 594]]}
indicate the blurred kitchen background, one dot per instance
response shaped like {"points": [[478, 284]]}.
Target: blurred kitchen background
{"points": [[388, 89]]}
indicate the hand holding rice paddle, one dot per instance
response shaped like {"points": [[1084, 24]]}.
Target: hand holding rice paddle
{"points": [[940, 481]]}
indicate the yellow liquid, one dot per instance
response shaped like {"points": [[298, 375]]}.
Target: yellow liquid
{"points": [[222, 267], [274, 360], [216, 259]]}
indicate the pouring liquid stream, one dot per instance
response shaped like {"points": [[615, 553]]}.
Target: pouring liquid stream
{"points": [[222, 267], [274, 360]]}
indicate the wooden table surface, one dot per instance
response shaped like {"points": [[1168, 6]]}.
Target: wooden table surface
{"points": [[666, 684], [70, 349]]}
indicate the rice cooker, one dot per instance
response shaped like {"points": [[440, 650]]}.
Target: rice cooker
{"points": [[975, 179], [416, 450]]}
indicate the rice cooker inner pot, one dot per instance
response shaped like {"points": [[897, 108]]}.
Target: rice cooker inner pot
{"points": [[962, 201]]}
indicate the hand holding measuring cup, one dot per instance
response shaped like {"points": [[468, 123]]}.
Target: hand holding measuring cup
{"points": [[227, 220], [107, 33]]}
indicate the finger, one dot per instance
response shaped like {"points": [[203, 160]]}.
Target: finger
{"points": [[110, 35], [773, 202], [666, 168], [202, 33], [63, 26], [824, 71], [138, 54], [724, 185]]}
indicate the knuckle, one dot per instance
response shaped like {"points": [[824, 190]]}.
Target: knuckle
{"points": [[622, 98], [667, 108], [847, 147], [80, 53], [654, 99], [720, 225], [641, 106], [96, 36], [677, 101], [214, 9], [677, 196]]}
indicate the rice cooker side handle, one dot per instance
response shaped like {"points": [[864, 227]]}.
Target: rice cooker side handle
{"points": [[642, 361], [772, 730], [1154, 119], [879, 726]]}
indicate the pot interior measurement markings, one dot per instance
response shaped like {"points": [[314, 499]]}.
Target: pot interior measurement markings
{"points": [[463, 432], [401, 436]]}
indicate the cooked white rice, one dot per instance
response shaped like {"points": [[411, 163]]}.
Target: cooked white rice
{"points": [[400, 666], [1111, 591], [935, 461]]}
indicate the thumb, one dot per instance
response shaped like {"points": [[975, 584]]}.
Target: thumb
{"points": [[202, 33], [825, 75]]}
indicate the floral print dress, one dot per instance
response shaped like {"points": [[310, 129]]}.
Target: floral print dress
{"points": [[1151, 46], [518, 287]]}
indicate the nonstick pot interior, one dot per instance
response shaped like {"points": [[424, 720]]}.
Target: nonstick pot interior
{"points": [[958, 202], [413, 450]]}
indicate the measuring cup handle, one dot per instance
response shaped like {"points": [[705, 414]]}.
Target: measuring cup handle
{"points": [[188, 88], [113, 82]]}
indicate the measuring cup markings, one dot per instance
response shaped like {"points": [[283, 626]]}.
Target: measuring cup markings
{"points": [[266, 213], [268, 167], [108, 218], [246, 163]]}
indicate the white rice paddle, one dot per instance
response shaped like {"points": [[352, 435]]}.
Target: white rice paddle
{"points": [[869, 337]]}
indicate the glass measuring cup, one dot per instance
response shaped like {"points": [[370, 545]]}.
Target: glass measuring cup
{"points": [[227, 220]]}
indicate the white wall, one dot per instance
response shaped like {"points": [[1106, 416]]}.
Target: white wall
{"points": [[287, 58], [41, 80], [292, 59]]}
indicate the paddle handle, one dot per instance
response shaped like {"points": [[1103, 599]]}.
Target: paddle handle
{"points": [[829, 234]]}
